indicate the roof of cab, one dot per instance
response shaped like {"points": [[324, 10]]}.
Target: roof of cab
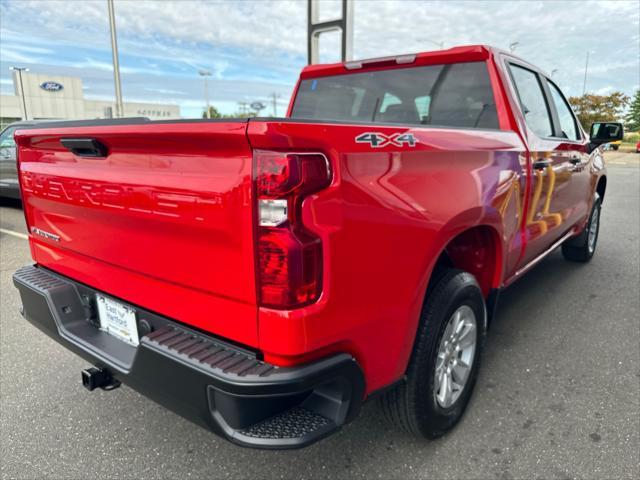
{"points": [[467, 53]]}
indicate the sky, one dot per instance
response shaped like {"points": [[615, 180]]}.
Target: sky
{"points": [[255, 48]]}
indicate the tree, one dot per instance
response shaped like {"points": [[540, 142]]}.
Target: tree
{"points": [[213, 113], [592, 108], [632, 120]]}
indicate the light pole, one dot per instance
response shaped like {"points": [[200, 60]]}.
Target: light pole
{"points": [[512, 46], [116, 63], [274, 99], [204, 74], [586, 67], [24, 102]]}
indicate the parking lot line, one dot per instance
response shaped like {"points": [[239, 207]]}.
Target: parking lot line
{"points": [[14, 234]]}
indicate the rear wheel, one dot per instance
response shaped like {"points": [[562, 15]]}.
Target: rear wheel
{"points": [[582, 247], [445, 361]]}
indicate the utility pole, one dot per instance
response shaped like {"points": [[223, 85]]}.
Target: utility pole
{"points": [[586, 67], [24, 102], [116, 63], [204, 74], [274, 98]]}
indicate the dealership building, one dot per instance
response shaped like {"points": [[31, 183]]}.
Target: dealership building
{"points": [[55, 97]]}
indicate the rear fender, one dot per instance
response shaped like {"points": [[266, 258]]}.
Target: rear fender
{"points": [[452, 231]]}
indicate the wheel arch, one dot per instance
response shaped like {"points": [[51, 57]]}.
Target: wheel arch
{"points": [[456, 250], [454, 247], [477, 250]]}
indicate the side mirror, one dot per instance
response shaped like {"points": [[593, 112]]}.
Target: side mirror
{"points": [[605, 132]]}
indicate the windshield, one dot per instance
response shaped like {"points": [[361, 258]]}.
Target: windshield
{"points": [[457, 95]]}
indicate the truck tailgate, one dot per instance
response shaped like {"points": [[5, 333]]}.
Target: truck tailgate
{"points": [[163, 220]]}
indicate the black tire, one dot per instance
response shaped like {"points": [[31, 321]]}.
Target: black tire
{"points": [[579, 249], [412, 406], [616, 147]]}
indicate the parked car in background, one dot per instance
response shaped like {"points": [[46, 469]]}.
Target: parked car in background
{"points": [[9, 186], [638, 147], [616, 145]]}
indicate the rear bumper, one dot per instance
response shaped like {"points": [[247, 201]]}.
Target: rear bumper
{"points": [[213, 383]]}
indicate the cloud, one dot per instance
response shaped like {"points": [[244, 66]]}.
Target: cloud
{"points": [[552, 35], [165, 91], [604, 90], [255, 47], [13, 56], [108, 66]]}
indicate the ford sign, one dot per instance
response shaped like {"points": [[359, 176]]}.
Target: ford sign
{"points": [[51, 86]]}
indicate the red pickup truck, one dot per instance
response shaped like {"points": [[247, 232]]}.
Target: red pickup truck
{"points": [[264, 277]]}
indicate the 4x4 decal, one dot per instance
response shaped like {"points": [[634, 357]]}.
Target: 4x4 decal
{"points": [[377, 139]]}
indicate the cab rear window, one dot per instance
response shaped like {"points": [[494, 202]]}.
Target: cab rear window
{"points": [[456, 95]]}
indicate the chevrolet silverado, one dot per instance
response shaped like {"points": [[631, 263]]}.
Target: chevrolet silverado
{"points": [[264, 277]]}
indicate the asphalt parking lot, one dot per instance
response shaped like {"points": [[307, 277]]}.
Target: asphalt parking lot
{"points": [[558, 394]]}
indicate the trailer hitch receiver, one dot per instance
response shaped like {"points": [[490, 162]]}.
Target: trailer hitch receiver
{"points": [[95, 377]]}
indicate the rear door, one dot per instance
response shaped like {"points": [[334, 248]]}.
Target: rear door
{"points": [[572, 145], [551, 201], [163, 219]]}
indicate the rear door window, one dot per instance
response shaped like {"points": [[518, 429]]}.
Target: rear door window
{"points": [[568, 123], [456, 95], [532, 100]]}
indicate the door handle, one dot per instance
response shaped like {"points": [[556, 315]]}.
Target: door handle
{"points": [[541, 164], [85, 147]]}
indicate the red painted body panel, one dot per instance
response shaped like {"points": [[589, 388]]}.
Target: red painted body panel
{"points": [[167, 220], [472, 53], [384, 221]]}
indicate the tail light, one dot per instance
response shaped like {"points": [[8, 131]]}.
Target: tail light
{"points": [[289, 256]]}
